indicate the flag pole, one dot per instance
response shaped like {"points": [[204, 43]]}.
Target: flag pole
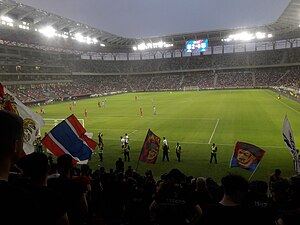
{"points": [[253, 172], [137, 165]]}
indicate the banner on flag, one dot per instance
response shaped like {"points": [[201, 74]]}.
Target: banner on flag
{"points": [[32, 122], [149, 152], [69, 137], [290, 143], [246, 156]]}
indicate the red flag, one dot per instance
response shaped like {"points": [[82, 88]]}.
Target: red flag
{"points": [[149, 152]]}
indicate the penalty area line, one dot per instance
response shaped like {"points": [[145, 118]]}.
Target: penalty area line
{"points": [[214, 131], [133, 132]]}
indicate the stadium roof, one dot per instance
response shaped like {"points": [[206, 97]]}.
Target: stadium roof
{"points": [[287, 26]]}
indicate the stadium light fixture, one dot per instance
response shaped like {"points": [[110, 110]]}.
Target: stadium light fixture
{"points": [[88, 40], [246, 36], [152, 45], [7, 19], [79, 37], [48, 31]]}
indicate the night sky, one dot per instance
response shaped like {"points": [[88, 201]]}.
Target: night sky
{"points": [[147, 18]]}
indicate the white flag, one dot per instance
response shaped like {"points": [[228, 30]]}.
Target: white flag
{"points": [[290, 143], [32, 121]]}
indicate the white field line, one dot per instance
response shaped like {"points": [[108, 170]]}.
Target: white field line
{"points": [[290, 107], [159, 118], [133, 132], [214, 131], [198, 143], [286, 105]]}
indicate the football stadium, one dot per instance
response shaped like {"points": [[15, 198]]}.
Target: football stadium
{"points": [[203, 111]]}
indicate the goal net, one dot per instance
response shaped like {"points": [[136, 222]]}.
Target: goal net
{"points": [[191, 88], [52, 122]]}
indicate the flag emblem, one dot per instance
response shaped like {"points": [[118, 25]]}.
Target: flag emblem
{"points": [[246, 156], [32, 122], [150, 149]]}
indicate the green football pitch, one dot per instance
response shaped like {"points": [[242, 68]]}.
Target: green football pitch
{"points": [[195, 119]]}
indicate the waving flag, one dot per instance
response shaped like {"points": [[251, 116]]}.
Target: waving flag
{"points": [[68, 137], [246, 156], [150, 148], [290, 143], [32, 121]]}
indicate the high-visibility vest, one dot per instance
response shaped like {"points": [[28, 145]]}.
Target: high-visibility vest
{"points": [[214, 149]]}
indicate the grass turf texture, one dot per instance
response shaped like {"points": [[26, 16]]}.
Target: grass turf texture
{"points": [[195, 120]]}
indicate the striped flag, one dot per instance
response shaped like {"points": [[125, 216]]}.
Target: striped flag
{"points": [[149, 152], [69, 137], [290, 143], [246, 156], [32, 122]]}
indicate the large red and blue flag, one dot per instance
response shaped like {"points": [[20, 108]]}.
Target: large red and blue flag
{"points": [[149, 152], [246, 156], [69, 137]]}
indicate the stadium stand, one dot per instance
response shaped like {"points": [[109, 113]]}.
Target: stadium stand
{"points": [[41, 70]]}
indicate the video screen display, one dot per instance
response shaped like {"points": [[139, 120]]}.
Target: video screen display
{"points": [[196, 46]]}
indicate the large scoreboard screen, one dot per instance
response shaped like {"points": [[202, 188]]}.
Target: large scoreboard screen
{"points": [[196, 46]]}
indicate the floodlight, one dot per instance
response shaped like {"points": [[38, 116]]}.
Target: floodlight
{"points": [[160, 44], [142, 46], [79, 37], [89, 40], [260, 35], [7, 19], [48, 31]]}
